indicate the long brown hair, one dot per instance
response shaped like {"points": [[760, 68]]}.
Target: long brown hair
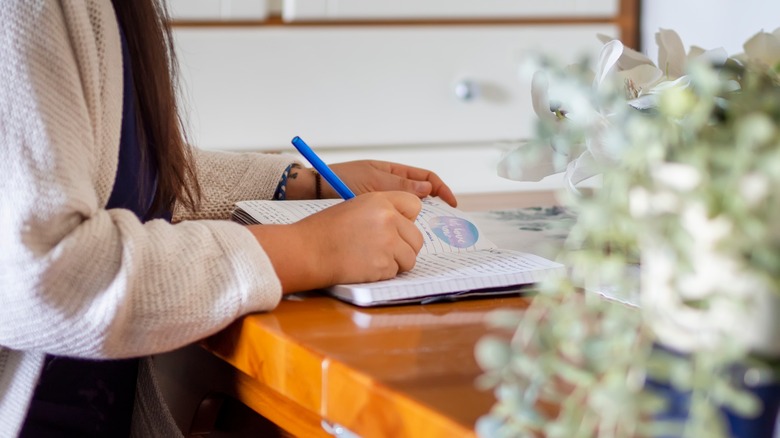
{"points": [[160, 132]]}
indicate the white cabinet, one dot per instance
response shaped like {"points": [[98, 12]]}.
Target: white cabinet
{"points": [[218, 10], [319, 10], [303, 10], [256, 88], [442, 95]]}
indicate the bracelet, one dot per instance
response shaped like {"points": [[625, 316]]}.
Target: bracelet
{"points": [[317, 185], [281, 189]]}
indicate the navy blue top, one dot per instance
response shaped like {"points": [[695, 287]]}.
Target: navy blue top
{"points": [[136, 175], [90, 398]]}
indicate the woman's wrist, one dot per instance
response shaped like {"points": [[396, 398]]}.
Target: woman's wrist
{"points": [[301, 183], [297, 270]]}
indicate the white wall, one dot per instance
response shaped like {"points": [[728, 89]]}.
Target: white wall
{"points": [[708, 23]]}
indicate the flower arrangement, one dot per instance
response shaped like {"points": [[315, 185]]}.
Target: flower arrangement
{"points": [[685, 222]]}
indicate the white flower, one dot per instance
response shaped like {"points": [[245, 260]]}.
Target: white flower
{"points": [[764, 48], [671, 53], [567, 106], [644, 80], [540, 98], [608, 58], [630, 58], [562, 101]]}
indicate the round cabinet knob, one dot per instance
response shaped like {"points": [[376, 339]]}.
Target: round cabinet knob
{"points": [[466, 90]]}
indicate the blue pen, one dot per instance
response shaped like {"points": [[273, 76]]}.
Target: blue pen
{"points": [[323, 169]]}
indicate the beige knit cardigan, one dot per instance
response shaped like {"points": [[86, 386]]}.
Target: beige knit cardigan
{"points": [[77, 279]]}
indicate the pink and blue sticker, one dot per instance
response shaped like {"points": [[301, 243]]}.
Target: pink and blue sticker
{"points": [[454, 231]]}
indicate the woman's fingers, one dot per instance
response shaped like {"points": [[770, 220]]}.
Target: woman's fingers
{"points": [[371, 176]]}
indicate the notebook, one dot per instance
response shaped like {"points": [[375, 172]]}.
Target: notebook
{"points": [[456, 259]]}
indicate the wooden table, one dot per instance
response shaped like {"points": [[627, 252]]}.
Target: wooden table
{"points": [[401, 371]]}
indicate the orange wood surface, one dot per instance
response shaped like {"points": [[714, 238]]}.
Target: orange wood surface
{"points": [[393, 371], [628, 20]]}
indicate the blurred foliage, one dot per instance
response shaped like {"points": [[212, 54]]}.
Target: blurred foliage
{"points": [[574, 364]]}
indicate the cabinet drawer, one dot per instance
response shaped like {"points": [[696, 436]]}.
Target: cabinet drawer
{"points": [[218, 10], [257, 87], [305, 10]]}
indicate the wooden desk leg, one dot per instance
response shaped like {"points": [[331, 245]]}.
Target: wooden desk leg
{"points": [[208, 397]]}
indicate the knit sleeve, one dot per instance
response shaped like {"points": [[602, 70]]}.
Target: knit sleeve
{"points": [[228, 177], [75, 278]]}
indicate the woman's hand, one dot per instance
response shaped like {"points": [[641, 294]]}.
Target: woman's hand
{"points": [[373, 176], [369, 238]]}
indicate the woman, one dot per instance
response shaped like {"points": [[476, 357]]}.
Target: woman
{"points": [[109, 247]]}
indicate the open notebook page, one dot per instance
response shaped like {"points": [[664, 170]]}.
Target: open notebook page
{"points": [[444, 229]]}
